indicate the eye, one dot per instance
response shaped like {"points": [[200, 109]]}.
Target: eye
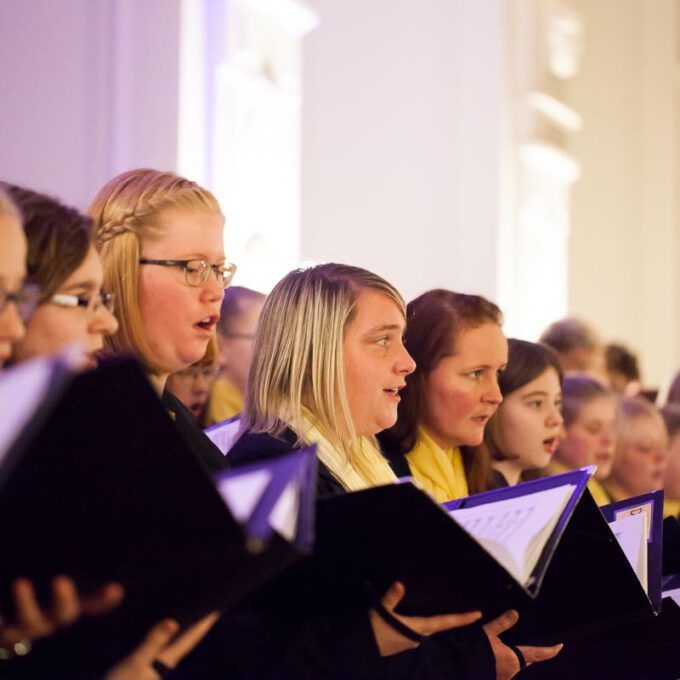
{"points": [[477, 373], [384, 341], [195, 265], [536, 403]]}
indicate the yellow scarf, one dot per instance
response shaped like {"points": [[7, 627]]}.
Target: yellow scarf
{"points": [[671, 507], [599, 493], [368, 467], [439, 472], [225, 402]]}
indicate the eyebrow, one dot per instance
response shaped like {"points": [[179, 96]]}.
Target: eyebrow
{"points": [[201, 256], [385, 327], [535, 393], [89, 286]]}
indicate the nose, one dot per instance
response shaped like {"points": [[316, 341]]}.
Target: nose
{"points": [[11, 325], [608, 437], [405, 363], [493, 394], [104, 322], [554, 418], [212, 289]]}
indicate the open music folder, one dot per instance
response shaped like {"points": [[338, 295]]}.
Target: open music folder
{"points": [[96, 483], [542, 547], [637, 523]]}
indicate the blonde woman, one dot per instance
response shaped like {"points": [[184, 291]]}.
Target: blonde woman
{"points": [[329, 364], [161, 245]]}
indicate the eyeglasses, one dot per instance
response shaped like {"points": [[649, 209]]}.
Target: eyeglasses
{"points": [[26, 299], [194, 372], [196, 272], [91, 304]]}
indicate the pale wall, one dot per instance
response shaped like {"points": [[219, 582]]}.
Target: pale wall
{"points": [[624, 251], [88, 89], [401, 140]]}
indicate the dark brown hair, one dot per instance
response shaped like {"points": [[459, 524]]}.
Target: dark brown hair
{"points": [[433, 322], [59, 238], [526, 362], [577, 391]]}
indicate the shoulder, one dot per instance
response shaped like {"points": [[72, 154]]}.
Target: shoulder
{"points": [[389, 447], [207, 453], [253, 447]]}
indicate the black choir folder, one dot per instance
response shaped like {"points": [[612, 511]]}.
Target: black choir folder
{"points": [[566, 574], [96, 483]]}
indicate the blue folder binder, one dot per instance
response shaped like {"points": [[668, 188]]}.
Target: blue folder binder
{"points": [[368, 539], [652, 503], [97, 484]]}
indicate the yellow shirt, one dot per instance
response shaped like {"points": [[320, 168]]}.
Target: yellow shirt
{"points": [[600, 495], [671, 507], [225, 402], [439, 472]]}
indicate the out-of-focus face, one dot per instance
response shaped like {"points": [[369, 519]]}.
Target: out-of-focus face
{"points": [[375, 361], [192, 386], [235, 351], [581, 360], [591, 438], [462, 393], [641, 456], [53, 326], [528, 423], [178, 319], [671, 483], [12, 273]]}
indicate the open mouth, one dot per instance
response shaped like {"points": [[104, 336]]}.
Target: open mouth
{"points": [[394, 391], [207, 323], [550, 444], [196, 408]]}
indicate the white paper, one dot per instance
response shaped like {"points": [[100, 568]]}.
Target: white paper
{"points": [[22, 389], [243, 492], [515, 530], [284, 514], [223, 436], [631, 533]]}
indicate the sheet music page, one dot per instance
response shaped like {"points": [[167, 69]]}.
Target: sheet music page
{"points": [[223, 436], [515, 530], [631, 533], [242, 492], [284, 515], [22, 389]]}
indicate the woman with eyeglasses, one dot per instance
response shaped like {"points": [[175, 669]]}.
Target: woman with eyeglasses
{"points": [[66, 277], [63, 264], [161, 244], [16, 299]]}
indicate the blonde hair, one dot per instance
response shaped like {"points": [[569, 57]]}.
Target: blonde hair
{"points": [[631, 409], [126, 211], [297, 367]]}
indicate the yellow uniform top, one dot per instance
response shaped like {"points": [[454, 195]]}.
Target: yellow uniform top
{"points": [[600, 495], [225, 402], [439, 472]]}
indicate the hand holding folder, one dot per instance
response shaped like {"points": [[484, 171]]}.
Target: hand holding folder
{"points": [[96, 483], [577, 576]]}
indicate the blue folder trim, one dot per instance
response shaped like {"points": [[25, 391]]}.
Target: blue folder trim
{"points": [[579, 478], [300, 465], [654, 542]]}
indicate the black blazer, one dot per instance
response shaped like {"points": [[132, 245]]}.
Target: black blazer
{"points": [[462, 653]]}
